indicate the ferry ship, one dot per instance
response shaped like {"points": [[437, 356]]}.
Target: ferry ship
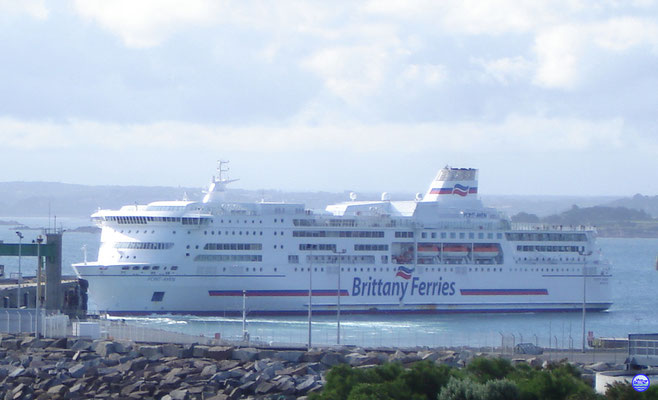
{"points": [[443, 252]]}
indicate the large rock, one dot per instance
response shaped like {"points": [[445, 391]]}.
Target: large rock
{"points": [[123, 346], [104, 348], [57, 390], [404, 358], [358, 360], [263, 388], [331, 359], [200, 351], [172, 350], [290, 356], [220, 353], [61, 343], [151, 352], [179, 394], [209, 370], [11, 344], [306, 385], [78, 370], [245, 354], [82, 344], [312, 356]]}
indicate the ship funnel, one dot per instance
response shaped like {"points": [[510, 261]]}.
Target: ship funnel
{"points": [[453, 184]]}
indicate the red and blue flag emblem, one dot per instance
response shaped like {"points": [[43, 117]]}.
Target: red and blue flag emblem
{"points": [[404, 272]]}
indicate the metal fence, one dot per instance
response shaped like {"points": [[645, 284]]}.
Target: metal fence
{"points": [[27, 320], [114, 329]]}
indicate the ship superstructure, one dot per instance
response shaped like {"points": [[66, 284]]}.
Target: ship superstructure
{"points": [[443, 252]]}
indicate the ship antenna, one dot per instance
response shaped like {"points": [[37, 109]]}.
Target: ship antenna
{"points": [[220, 168]]}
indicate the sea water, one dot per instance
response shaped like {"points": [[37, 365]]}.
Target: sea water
{"points": [[634, 308]]}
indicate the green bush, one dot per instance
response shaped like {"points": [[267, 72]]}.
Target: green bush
{"points": [[624, 391], [558, 382], [483, 379], [422, 381], [467, 389], [486, 369]]}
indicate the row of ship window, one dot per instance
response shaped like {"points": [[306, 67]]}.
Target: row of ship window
{"points": [[461, 235], [337, 259], [368, 269], [183, 220], [146, 267], [573, 249], [359, 234], [552, 237]]}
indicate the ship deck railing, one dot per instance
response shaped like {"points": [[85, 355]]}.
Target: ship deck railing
{"points": [[522, 226]]}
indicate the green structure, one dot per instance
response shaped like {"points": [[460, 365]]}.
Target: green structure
{"points": [[51, 252]]}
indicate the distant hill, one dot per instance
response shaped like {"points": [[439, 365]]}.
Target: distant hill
{"points": [[30, 199], [34, 199], [648, 204], [610, 221]]}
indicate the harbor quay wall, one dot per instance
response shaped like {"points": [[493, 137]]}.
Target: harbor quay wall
{"points": [[73, 367]]}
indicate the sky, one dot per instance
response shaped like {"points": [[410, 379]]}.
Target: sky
{"points": [[545, 97]]}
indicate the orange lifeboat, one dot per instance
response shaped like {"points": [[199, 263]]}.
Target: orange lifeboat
{"points": [[485, 250], [428, 250], [455, 250]]}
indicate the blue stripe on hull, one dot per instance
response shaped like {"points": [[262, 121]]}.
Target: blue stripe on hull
{"points": [[372, 311]]}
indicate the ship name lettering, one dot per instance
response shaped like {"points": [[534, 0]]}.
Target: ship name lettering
{"points": [[379, 287]]}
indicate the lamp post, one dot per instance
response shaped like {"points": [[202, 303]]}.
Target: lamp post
{"points": [[20, 276], [38, 298], [340, 254], [585, 255], [310, 297]]}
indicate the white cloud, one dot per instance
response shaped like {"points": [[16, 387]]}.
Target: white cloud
{"points": [[427, 75], [507, 69], [620, 34], [351, 72], [35, 8], [522, 133], [558, 52], [147, 23]]}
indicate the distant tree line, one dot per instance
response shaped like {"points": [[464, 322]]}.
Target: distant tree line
{"points": [[610, 221]]}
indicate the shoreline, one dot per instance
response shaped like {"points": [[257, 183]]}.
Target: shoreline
{"points": [[74, 367]]}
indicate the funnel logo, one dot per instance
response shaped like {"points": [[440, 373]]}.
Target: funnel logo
{"points": [[458, 189], [404, 272]]}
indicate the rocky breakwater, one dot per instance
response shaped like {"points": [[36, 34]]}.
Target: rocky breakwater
{"points": [[72, 368]]}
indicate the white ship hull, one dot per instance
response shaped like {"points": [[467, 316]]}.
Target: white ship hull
{"points": [[271, 293], [206, 258]]}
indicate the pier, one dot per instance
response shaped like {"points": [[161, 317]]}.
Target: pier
{"points": [[48, 289]]}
